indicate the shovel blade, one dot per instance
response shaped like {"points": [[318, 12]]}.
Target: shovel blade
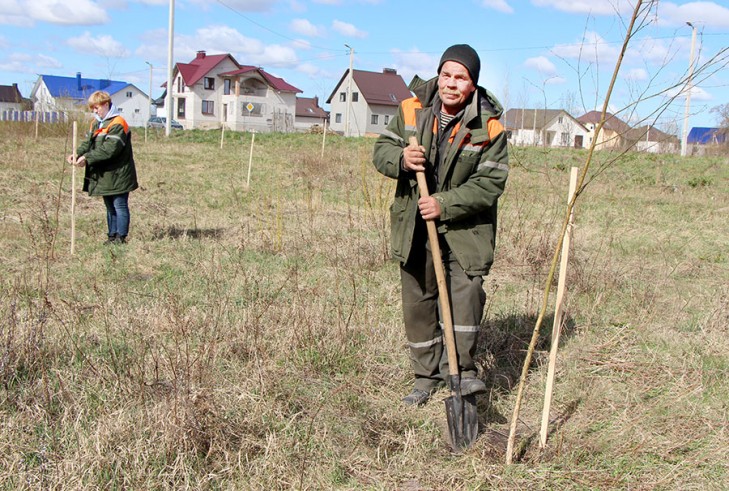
{"points": [[462, 416]]}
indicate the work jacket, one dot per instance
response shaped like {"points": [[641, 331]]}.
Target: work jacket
{"points": [[110, 168], [472, 172]]}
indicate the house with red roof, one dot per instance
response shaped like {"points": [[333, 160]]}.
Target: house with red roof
{"points": [[309, 114], [213, 91], [365, 103], [545, 128]]}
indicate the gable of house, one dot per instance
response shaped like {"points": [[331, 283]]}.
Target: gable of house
{"points": [[530, 118], [385, 88], [612, 122]]}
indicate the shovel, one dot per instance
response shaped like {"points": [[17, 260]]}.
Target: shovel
{"points": [[460, 411]]}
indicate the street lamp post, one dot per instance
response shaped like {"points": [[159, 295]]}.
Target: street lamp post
{"points": [[170, 63]]}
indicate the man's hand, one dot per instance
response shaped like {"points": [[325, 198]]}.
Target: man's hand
{"points": [[429, 208], [413, 158]]}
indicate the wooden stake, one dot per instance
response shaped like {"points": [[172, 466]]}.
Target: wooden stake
{"points": [[222, 135], [73, 190], [250, 159], [323, 138], [558, 314]]}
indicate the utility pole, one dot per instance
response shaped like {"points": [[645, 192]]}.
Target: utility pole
{"points": [[170, 63], [349, 93], [149, 101], [684, 136]]}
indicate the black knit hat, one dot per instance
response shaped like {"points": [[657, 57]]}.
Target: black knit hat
{"points": [[466, 56]]}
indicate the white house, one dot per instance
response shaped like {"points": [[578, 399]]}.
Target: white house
{"points": [[545, 127], [67, 94], [372, 102], [215, 90]]}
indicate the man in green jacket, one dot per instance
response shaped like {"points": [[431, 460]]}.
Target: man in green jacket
{"points": [[463, 151], [109, 160]]}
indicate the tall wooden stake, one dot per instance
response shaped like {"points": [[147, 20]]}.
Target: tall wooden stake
{"points": [[73, 190], [323, 138], [222, 135], [558, 314], [250, 159]]}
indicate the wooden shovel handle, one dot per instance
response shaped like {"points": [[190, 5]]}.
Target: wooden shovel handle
{"points": [[445, 305]]}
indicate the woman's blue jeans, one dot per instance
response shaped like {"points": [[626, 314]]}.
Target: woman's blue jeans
{"points": [[117, 214]]}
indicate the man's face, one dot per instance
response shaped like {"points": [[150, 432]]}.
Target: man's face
{"points": [[454, 86], [101, 110]]}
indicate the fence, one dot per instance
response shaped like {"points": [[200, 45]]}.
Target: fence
{"points": [[31, 116]]}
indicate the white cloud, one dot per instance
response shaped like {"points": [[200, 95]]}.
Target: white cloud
{"points": [[697, 93], [218, 39], [591, 49], [348, 30], [305, 28], [69, 12], [239, 5], [595, 7], [44, 61], [541, 64], [414, 62], [25, 63], [636, 74], [709, 14], [499, 5], [329, 2], [104, 45]]}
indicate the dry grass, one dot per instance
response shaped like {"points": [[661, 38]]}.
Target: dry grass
{"points": [[250, 338]]}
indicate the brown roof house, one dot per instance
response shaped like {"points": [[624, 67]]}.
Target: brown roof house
{"points": [[365, 103], [652, 140], [545, 128], [614, 133], [309, 114], [215, 90], [10, 99]]}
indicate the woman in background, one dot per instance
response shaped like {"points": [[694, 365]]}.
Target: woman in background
{"points": [[109, 161]]}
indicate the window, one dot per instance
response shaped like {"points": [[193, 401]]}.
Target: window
{"points": [[565, 139], [209, 83], [226, 86], [355, 96], [208, 107], [129, 94], [387, 119], [559, 120], [375, 118], [338, 118], [181, 108], [179, 84], [342, 97], [136, 111]]}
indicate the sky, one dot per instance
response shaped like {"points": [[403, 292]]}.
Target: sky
{"points": [[555, 54]]}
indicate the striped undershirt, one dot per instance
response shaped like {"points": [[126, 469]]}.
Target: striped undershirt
{"points": [[445, 119]]}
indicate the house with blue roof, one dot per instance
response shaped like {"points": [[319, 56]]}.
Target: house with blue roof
{"points": [[706, 136], [70, 94]]}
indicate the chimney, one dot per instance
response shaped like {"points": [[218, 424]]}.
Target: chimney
{"points": [[316, 100], [389, 71], [78, 81], [200, 55]]}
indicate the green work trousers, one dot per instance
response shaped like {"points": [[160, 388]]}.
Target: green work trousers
{"points": [[421, 313]]}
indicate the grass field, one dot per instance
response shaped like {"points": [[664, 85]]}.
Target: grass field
{"points": [[249, 336]]}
